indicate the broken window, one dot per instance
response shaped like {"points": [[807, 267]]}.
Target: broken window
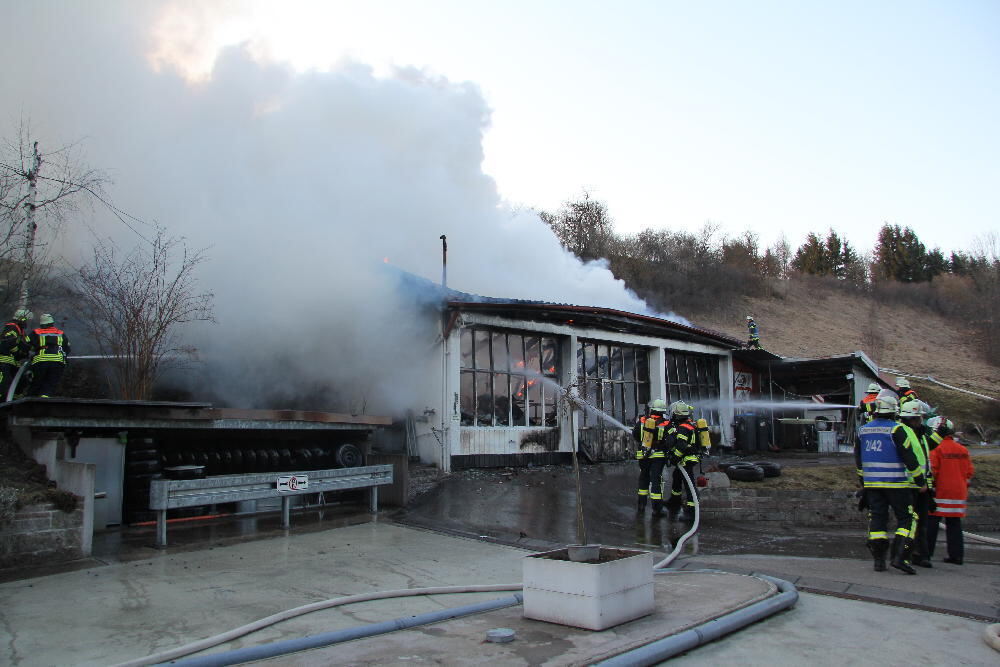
{"points": [[508, 379], [615, 379], [694, 378]]}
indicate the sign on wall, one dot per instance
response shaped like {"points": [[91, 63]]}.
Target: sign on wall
{"points": [[742, 385]]}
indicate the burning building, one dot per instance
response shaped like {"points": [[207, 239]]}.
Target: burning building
{"points": [[509, 371]]}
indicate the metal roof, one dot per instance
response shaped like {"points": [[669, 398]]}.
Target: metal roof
{"points": [[606, 318]]}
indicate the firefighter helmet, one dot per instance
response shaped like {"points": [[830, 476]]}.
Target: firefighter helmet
{"points": [[46, 319], [874, 388], [658, 405], [911, 409], [886, 405], [902, 383], [681, 409], [23, 314]]}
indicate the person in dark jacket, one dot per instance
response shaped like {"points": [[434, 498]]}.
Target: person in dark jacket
{"points": [[649, 433], [49, 347], [13, 348]]}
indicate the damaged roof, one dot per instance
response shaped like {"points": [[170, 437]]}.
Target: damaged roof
{"points": [[609, 319]]}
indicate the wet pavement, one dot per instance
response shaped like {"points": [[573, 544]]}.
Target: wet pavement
{"points": [[536, 508]]}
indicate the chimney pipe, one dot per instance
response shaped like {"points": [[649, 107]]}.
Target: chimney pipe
{"points": [[444, 261]]}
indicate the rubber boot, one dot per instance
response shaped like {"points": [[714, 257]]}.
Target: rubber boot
{"points": [[687, 514], [657, 508], [878, 549], [901, 547], [640, 506]]}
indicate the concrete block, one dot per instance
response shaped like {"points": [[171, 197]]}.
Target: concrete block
{"points": [[717, 480], [589, 595], [30, 525], [67, 519]]}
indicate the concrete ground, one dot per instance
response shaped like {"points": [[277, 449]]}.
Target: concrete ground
{"points": [[117, 610], [131, 600]]}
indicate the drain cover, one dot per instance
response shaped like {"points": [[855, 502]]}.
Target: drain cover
{"points": [[500, 635]]}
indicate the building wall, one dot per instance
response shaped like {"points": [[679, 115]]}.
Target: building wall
{"points": [[543, 443]]}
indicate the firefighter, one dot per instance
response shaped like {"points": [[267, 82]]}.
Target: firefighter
{"points": [[911, 414], [867, 408], [684, 450], [50, 347], [650, 434], [906, 394], [753, 343], [13, 348], [888, 472], [952, 471]]}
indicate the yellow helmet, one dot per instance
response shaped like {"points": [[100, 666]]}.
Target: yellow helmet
{"points": [[23, 314], [658, 405], [681, 409]]}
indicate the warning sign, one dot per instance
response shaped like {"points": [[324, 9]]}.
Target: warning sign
{"points": [[291, 483]]}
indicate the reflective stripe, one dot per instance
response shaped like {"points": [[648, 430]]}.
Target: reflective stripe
{"points": [[949, 502], [878, 535], [656, 496], [888, 485], [950, 510], [643, 492]]}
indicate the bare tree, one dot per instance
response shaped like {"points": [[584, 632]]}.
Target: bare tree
{"points": [[133, 304], [38, 190]]}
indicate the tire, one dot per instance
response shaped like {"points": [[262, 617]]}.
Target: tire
{"points": [[723, 467], [349, 456], [139, 467], [745, 473], [771, 469], [141, 455]]}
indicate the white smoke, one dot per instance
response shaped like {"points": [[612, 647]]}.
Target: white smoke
{"points": [[301, 185]]}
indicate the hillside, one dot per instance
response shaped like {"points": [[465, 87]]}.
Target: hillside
{"points": [[808, 319]]}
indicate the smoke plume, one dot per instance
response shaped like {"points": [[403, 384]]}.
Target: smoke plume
{"points": [[302, 185]]}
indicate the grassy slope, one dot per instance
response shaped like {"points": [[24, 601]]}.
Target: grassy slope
{"points": [[986, 480], [812, 320]]}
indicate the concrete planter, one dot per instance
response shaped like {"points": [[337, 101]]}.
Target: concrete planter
{"points": [[594, 595]]}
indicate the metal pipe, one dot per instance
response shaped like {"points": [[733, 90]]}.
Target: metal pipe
{"points": [[444, 261], [666, 648], [252, 653]]}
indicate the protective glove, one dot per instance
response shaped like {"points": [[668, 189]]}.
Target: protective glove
{"points": [[862, 499], [932, 506]]}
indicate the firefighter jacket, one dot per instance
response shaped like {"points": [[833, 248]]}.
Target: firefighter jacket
{"points": [[920, 448], [906, 397], [952, 471], [49, 344], [683, 444], [650, 436], [13, 344], [867, 407], [885, 458]]}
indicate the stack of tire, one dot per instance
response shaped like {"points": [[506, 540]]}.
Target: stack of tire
{"points": [[750, 472], [142, 465], [234, 461]]}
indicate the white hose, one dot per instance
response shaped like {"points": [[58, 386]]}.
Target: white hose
{"points": [[694, 526], [202, 644], [974, 537], [992, 636]]}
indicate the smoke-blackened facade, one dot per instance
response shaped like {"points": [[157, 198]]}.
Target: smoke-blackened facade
{"points": [[508, 369]]}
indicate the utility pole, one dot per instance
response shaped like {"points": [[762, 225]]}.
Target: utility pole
{"points": [[29, 223]]}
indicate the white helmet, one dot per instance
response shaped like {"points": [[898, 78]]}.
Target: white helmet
{"points": [[886, 405], [874, 388], [902, 383], [23, 314], [46, 319], [911, 409]]}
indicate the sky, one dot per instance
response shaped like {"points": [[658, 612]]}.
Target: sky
{"points": [[778, 117], [305, 145]]}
